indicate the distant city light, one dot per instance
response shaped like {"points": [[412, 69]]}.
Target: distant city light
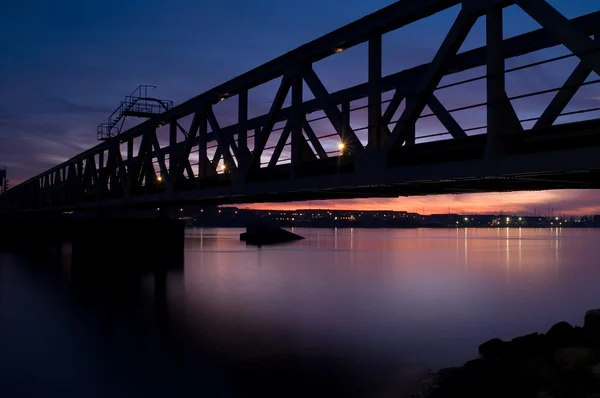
{"points": [[507, 219], [520, 218], [466, 218]]}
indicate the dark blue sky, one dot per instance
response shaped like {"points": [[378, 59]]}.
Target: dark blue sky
{"points": [[66, 64]]}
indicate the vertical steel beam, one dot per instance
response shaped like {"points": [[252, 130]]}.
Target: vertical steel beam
{"points": [[375, 130], [202, 157], [296, 122], [495, 79], [501, 116], [410, 129], [243, 126], [345, 118], [172, 147], [129, 150], [101, 177]]}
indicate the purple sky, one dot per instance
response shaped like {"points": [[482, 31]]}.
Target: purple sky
{"points": [[67, 64]]}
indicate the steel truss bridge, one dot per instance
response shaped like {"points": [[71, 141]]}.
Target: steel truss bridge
{"points": [[187, 155]]}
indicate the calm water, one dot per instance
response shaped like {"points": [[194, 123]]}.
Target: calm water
{"points": [[344, 313]]}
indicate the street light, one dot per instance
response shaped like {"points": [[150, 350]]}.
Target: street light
{"points": [[159, 178]]}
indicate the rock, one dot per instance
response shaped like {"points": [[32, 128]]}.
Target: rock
{"points": [[527, 345], [591, 328], [574, 359], [561, 335], [494, 349], [263, 232], [595, 371], [529, 371], [592, 320]]}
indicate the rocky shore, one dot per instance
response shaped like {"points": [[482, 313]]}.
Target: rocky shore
{"points": [[564, 362]]}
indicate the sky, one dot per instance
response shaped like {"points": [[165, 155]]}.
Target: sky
{"points": [[67, 64]]}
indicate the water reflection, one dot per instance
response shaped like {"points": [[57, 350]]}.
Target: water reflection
{"points": [[345, 311]]}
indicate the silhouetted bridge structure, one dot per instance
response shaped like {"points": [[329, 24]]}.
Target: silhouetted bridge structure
{"points": [[372, 145]]}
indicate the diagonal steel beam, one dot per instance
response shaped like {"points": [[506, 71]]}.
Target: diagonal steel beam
{"points": [[558, 26], [341, 126], [451, 44], [183, 157], [122, 170], [563, 97], [262, 137], [445, 118], [160, 155], [285, 134], [391, 110], [223, 140], [310, 133]]}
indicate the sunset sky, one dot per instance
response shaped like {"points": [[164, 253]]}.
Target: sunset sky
{"points": [[66, 65]]}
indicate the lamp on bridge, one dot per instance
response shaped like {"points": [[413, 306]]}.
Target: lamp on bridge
{"points": [[341, 147]]}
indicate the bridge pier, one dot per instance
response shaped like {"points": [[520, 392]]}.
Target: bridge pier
{"points": [[141, 242]]}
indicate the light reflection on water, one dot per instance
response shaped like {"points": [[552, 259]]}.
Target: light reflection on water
{"points": [[416, 296]]}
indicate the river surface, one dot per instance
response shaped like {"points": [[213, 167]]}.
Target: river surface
{"points": [[345, 312]]}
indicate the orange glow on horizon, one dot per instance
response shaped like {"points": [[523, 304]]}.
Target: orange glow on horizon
{"points": [[567, 202]]}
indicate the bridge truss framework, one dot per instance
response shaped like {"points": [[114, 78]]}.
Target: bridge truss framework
{"points": [[187, 155]]}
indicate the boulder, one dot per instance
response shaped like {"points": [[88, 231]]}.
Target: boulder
{"points": [[528, 345], [544, 394], [592, 320], [561, 335], [595, 371], [574, 359], [591, 328], [494, 349], [529, 371]]}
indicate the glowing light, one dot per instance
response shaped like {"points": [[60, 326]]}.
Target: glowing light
{"points": [[466, 218], [507, 219], [520, 218], [341, 146], [557, 218], [338, 50], [159, 178], [223, 167], [180, 209]]}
